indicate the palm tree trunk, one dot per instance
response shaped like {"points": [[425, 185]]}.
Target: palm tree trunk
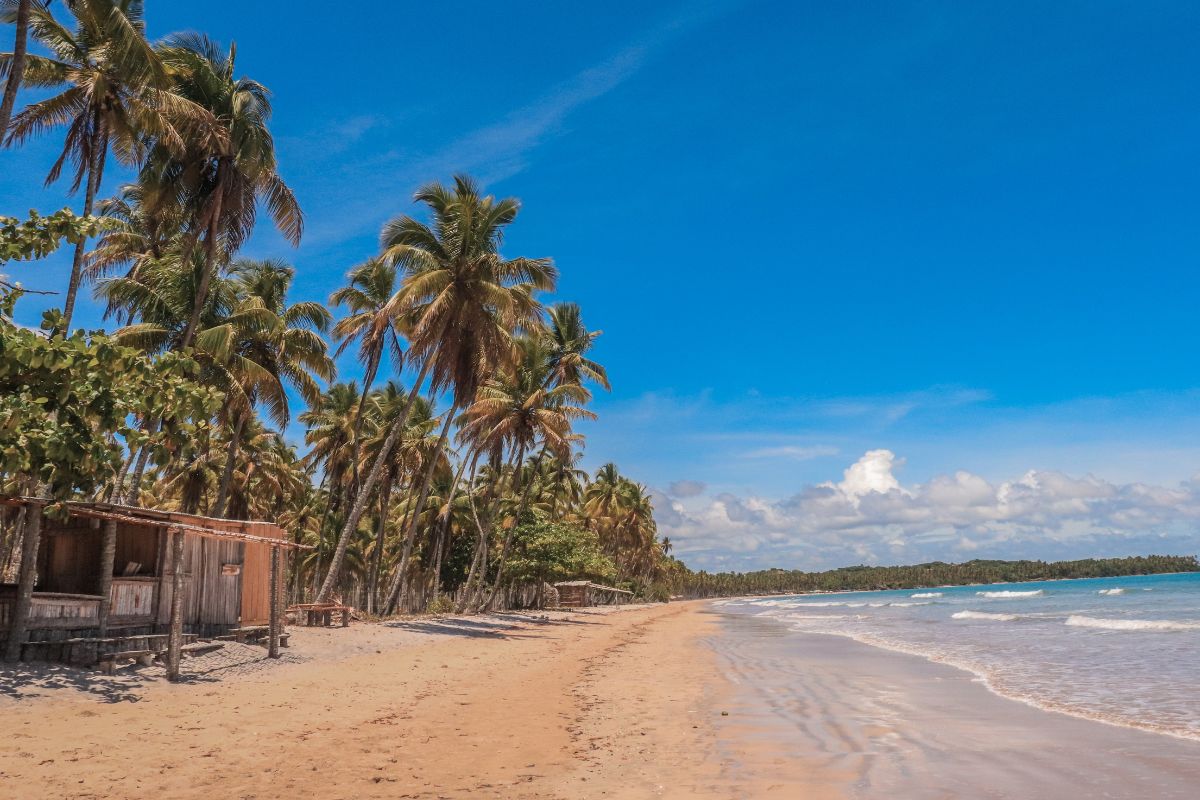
{"points": [[20, 612], [444, 530], [235, 441], [364, 493], [385, 495], [135, 483], [16, 67], [508, 537], [401, 579], [210, 244], [368, 379], [480, 555], [95, 171]]}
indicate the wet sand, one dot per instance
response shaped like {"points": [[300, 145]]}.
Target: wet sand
{"points": [[883, 724]]}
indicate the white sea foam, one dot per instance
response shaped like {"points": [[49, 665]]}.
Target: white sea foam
{"points": [[1111, 591], [1003, 594], [1080, 621], [984, 615], [907, 605], [928, 594]]}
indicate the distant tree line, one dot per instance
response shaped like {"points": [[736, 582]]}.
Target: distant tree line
{"points": [[936, 573]]}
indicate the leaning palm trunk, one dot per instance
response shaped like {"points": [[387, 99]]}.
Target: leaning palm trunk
{"points": [[16, 67], [364, 492], [400, 582], [95, 171]]}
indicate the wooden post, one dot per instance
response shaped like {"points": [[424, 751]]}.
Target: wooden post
{"points": [[29, 553], [175, 632], [275, 623], [108, 554]]}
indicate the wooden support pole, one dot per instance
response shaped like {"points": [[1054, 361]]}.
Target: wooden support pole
{"points": [[108, 554], [275, 621], [28, 574], [175, 632]]}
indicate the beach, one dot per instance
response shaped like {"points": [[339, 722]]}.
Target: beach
{"points": [[676, 700]]}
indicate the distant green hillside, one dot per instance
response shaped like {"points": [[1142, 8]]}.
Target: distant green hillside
{"points": [[937, 573]]}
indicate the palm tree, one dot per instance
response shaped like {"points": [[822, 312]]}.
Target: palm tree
{"points": [[461, 303], [115, 93], [229, 166], [284, 348], [519, 410], [13, 64], [371, 286], [569, 342]]}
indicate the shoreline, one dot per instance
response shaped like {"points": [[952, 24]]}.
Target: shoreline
{"points": [[885, 723]]}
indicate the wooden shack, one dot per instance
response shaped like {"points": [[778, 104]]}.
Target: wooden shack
{"points": [[225, 574], [579, 594]]}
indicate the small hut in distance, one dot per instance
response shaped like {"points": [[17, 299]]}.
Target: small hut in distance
{"points": [[580, 594]]}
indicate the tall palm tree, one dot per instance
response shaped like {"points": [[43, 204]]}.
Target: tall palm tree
{"points": [[228, 167], [115, 94], [461, 302], [12, 65]]}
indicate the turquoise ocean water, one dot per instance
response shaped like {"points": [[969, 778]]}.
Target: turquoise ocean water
{"points": [[1125, 651]]}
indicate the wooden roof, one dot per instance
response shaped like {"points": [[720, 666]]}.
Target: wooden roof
{"points": [[591, 585], [253, 532]]}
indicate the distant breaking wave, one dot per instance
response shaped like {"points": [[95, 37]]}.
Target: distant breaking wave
{"points": [[984, 615], [1034, 593], [1112, 591], [928, 594], [1080, 621]]}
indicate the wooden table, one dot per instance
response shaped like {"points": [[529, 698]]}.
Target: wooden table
{"points": [[321, 613]]}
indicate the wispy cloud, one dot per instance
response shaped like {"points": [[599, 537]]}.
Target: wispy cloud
{"points": [[493, 152], [792, 452]]}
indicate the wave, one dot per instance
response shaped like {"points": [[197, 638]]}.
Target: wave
{"points": [[927, 594], [1080, 621], [984, 615], [1111, 591], [995, 595]]}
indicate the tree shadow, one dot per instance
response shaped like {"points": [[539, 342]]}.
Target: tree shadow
{"points": [[38, 680]]}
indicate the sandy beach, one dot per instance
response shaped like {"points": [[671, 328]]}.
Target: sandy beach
{"points": [[671, 700], [585, 704]]}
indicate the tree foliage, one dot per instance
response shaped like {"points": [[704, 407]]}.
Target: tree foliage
{"points": [[937, 573], [69, 408]]}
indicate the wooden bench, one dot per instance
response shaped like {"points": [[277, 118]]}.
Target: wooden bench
{"points": [[108, 662], [201, 648]]}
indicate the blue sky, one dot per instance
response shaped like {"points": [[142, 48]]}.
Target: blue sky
{"points": [[963, 234]]}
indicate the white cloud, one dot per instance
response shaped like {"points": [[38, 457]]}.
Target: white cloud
{"points": [[870, 516]]}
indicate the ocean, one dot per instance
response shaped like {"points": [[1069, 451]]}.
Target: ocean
{"points": [[1124, 651]]}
